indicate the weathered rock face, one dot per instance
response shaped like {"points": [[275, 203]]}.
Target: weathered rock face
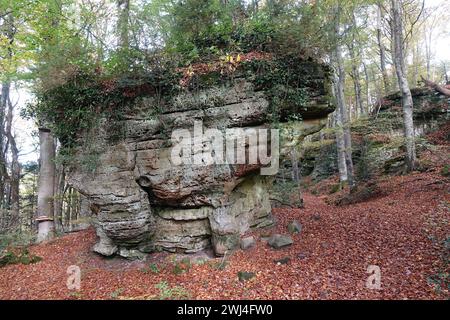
{"points": [[430, 109], [377, 140], [143, 202]]}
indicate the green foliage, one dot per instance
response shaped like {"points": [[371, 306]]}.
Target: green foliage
{"points": [[17, 255], [167, 292], [152, 267], [441, 279], [287, 193], [335, 188], [181, 266], [15, 238], [71, 107], [445, 171], [77, 105], [80, 78], [284, 81], [116, 293], [202, 29], [364, 166]]}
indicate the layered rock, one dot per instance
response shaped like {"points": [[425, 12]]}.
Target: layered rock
{"points": [[378, 139], [143, 202]]}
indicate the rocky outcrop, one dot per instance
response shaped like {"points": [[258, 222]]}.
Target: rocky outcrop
{"points": [[378, 139], [428, 103], [143, 202]]}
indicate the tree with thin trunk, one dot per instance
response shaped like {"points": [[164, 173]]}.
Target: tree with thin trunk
{"points": [[4, 101], [367, 80], [396, 24], [343, 129], [382, 50], [46, 186], [123, 7], [60, 186], [14, 177], [342, 167], [355, 60]]}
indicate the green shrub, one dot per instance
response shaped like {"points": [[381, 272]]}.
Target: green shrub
{"points": [[16, 256], [445, 171], [167, 292], [181, 266]]}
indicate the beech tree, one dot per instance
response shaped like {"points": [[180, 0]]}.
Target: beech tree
{"points": [[9, 172], [382, 49], [400, 69]]}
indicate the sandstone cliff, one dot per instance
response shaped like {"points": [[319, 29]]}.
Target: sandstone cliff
{"points": [[142, 202]]}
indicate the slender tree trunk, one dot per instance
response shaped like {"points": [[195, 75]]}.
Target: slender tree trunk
{"points": [[342, 167], [367, 79], [59, 194], [14, 179], [294, 163], [342, 109], [428, 38], [4, 102], [46, 186], [340, 144], [407, 102], [355, 63], [445, 73], [382, 51], [124, 16], [255, 6], [416, 63]]}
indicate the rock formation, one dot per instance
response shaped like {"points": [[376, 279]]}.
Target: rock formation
{"points": [[142, 202], [377, 140]]}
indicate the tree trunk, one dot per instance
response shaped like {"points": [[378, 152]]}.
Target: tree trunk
{"points": [[4, 102], [382, 51], [122, 26], [13, 199], [342, 109], [59, 194], [355, 63], [444, 65], [340, 144], [416, 63], [46, 186], [8, 31], [367, 79], [407, 102]]}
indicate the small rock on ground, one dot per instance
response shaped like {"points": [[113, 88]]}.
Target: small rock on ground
{"points": [[294, 227], [247, 243], [279, 240], [244, 275]]}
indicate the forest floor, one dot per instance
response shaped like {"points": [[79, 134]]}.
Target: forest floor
{"points": [[402, 231]]}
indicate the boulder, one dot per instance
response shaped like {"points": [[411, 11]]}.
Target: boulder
{"points": [[278, 241], [247, 243], [142, 200]]}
